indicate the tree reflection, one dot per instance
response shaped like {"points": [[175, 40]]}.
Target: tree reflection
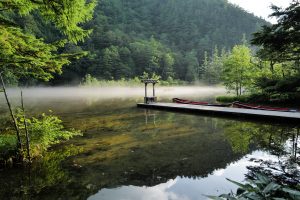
{"points": [[247, 136], [272, 178], [286, 169], [40, 176]]}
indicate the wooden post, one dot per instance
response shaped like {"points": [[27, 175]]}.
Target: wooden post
{"points": [[145, 89], [26, 129], [11, 114], [153, 89]]}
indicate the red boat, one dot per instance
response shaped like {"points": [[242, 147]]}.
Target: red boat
{"points": [[235, 104], [203, 103], [259, 107], [183, 101]]}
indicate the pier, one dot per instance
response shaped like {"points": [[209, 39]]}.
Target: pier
{"points": [[282, 117]]}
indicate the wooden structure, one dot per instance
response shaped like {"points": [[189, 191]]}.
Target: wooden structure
{"points": [[150, 99], [281, 117]]}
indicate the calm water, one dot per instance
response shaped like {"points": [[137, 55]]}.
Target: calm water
{"points": [[128, 153]]}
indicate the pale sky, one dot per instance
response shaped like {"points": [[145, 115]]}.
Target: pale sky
{"points": [[261, 8]]}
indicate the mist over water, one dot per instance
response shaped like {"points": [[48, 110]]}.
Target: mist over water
{"points": [[115, 92], [71, 99]]}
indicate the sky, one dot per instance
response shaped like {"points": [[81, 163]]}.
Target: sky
{"points": [[261, 8]]}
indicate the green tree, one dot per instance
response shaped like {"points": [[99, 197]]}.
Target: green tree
{"points": [[111, 64], [279, 50], [166, 66], [22, 53], [281, 41], [213, 66], [192, 65], [177, 26], [238, 71], [152, 57], [202, 68]]}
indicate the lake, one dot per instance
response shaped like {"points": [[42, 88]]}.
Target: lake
{"points": [[129, 153]]}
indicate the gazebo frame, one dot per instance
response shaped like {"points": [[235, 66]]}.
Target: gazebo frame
{"points": [[152, 99]]}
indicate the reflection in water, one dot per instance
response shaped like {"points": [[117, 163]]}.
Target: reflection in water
{"points": [[131, 153], [149, 115], [185, 188], [34, 182], [161, 191]]}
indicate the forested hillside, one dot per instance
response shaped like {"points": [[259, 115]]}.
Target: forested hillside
{"points": [[168, 37]]}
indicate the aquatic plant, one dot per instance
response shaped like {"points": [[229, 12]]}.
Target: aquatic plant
{"points": [[261, 187]]}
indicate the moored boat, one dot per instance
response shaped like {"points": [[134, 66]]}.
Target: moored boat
{"points": [[261, 107], [184, 101], [235, 104], [203, 103]]}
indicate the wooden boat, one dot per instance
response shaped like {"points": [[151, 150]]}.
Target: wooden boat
{"points": [[235, 104], [260, 107], [183, 101], [203, 103]]}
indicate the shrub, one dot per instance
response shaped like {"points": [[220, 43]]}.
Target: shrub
{"points": [[228, 99], [45, 131]]}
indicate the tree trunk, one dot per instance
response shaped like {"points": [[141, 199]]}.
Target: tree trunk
{"points": [[240, 89], [26, 129], [19, 145]]}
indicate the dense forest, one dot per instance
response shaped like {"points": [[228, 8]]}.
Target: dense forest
{"points": [[171, 38]]}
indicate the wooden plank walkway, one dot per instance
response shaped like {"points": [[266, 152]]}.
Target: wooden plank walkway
{"points": [[283, 117]]}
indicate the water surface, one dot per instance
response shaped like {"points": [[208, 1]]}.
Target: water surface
{"points": [[132, 153]]}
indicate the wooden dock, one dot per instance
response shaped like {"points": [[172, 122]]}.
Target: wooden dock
{"points": [[282, 117]]}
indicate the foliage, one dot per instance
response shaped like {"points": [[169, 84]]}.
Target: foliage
{"points": [[279, 54], [261, 188], [10, 78], [279, 88], [229, 99], [90, 81], [268, 179], [280, 42], [252, 97], [8, 143], [153, 76], [238, 72], [22, 53], [168, 38], [212, 68], [66, 15], [44, 131], [192, 65]]}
